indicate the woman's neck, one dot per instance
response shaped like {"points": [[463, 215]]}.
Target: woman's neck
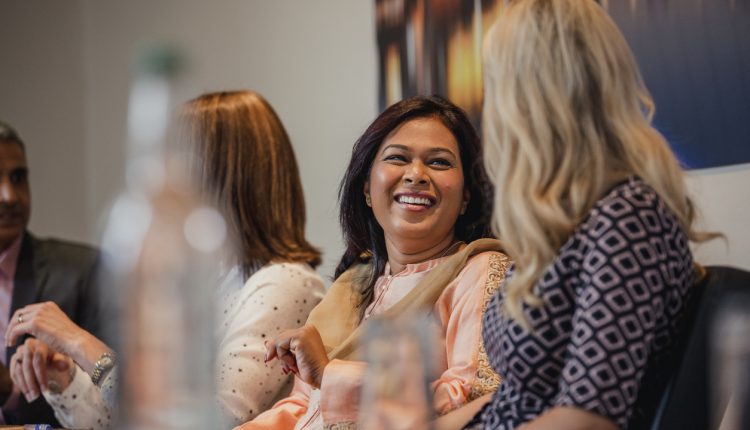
{"points": [[401, 253]]}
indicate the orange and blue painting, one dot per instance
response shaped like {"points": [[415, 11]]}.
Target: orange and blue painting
{"points": [[433, 47], [695, 59], [694, 56]]}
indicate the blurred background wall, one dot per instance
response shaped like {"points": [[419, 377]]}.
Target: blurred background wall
{"points": [[66, 68]]}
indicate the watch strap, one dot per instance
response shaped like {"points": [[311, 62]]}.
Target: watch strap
{"points": [[105, 363]]}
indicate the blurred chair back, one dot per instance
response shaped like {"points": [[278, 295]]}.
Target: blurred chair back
{"points": [[676, 392]]}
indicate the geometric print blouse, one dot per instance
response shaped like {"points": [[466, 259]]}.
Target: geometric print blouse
{"points": [[612, 300]]}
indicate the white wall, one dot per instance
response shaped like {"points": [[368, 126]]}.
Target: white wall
{"points": [[71, 67], [314, 61], [66, 72], [722, 196], [41, 95]]}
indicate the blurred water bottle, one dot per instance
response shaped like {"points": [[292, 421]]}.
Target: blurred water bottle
{"points": [[731, 364], [396, 393], [164, 245]]}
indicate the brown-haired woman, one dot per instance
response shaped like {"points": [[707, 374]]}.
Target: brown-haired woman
{"points": [[245, 165]]}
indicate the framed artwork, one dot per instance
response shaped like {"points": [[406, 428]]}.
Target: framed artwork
{"points": [[694, 56], [433, 47], [695, 59]]}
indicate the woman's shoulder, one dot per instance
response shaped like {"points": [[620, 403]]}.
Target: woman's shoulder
{"points": [[487, 259], [479, 279], [630, 225], [287, 274], [629, 196], [632, 206], [483, 267]]}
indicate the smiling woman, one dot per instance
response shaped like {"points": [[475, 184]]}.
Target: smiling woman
{"points": [[416, 188], [410, 199], [417, 120]]}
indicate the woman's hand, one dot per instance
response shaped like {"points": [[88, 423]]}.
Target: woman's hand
{"points": [[48, 323], [35, 367], [302, 352]]}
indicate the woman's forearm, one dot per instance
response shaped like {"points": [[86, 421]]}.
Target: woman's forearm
{"points": [[87, 351], [458, 418], [569, 418]]}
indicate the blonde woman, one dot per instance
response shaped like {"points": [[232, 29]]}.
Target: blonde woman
{"points": [[592, 206]]}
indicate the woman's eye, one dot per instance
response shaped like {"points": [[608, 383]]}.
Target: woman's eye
{"points": [[395, 157], [441, 162]]}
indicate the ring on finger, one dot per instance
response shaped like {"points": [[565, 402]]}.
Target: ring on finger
{"points": [[20, 318]]}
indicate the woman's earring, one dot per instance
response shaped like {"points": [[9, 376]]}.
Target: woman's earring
{"points": [[368, 201], [463, 207]]}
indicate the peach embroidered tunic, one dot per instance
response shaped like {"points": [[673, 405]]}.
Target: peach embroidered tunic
{"points": [[465, 372]]}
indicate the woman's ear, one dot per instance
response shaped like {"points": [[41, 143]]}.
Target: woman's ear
{"points": [[366, 191]]}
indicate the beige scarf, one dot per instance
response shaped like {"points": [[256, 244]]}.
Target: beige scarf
{"points": [[337, 316]]}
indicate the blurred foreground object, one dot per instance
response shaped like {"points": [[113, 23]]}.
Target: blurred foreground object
{"points": [[710, 363], [164, 245], [396, 393], [731, 362]]}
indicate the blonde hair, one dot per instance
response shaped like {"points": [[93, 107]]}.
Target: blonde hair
{"points": [[566, 113]]}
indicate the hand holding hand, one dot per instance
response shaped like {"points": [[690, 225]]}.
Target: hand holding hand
{"points": [[302, 352], [35, 367], [48, 323]]}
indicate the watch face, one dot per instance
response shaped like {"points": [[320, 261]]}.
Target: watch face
{"points": [[106, 362]]}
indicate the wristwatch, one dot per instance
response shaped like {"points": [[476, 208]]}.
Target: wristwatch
{"points": [[104, 364]]}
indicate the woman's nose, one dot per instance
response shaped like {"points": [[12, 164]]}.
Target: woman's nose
{"points": [[416, 174]]}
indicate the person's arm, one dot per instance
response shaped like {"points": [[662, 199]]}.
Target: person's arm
{"points": [[48, 323], [282, 298], [81, 404], [569, 418], [459, 309], [285, 413], [33, 363], [35, 369], [340, 391], [301, 351], [458, 418]]}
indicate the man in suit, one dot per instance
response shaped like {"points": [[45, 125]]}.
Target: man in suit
{"points": [[33, 270]]}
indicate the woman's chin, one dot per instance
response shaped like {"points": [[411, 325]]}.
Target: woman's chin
{"points": [[426, 235]]}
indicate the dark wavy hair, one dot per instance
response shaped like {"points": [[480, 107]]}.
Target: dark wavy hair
{"points": [[363, 236]]}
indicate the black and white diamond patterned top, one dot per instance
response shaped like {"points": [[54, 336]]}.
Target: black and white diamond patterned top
{"points": [[613, 298]]}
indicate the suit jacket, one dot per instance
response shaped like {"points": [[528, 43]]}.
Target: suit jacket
{"points": [[64, 273]]}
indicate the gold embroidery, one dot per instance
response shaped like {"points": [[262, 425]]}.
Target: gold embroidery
{"points": [[344, 425], [487, 380]]}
